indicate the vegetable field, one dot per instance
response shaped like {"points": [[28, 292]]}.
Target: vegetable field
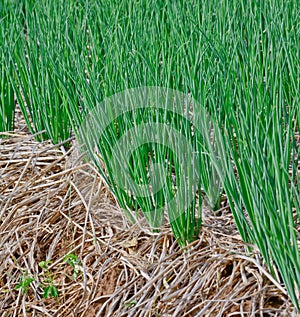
{"points": [[149, 158]]}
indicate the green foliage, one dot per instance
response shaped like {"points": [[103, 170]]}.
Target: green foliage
{"points": [[35, 84], [44, 265], [9, 29], [73, 260], [24, 283], [239, 59], [47, 277], [50, 290]]}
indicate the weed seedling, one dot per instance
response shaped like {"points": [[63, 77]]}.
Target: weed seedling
{"points": [[50, 290], [73, 260], [24, 283]]}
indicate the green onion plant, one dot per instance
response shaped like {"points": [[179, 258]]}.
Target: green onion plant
{"points": [[239, 60], [36, 86], [9, 27]]}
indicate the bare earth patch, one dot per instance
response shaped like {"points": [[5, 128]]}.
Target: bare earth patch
{"points": [[52, 205]]}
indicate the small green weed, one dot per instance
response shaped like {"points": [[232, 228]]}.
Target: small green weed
{"points": [[50, 290], [24, 283], [73, 260]]}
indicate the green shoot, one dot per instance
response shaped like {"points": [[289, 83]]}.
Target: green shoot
{"points": [[24, 283]]}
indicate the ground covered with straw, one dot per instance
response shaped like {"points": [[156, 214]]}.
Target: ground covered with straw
{"points": [[53, 205]]}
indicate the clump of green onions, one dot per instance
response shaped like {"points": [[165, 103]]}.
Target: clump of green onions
{"points": [[239, 60], [9, 27]]}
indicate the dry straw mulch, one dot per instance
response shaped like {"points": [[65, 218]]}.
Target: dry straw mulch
{"points": [[52, 204]]}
